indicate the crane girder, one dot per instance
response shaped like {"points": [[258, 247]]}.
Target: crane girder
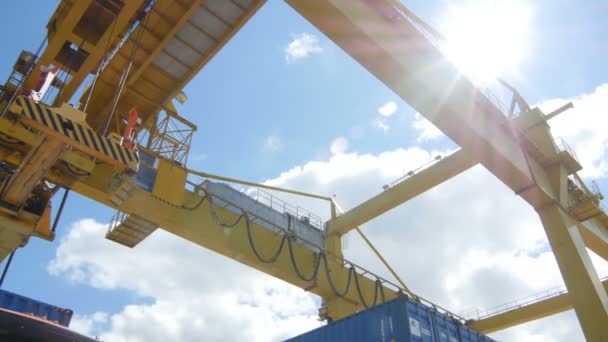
{"points": [[168, 43], [595, 234], [393, 50], [168, 47], [424, 180], [528, 312], [200, 220]]}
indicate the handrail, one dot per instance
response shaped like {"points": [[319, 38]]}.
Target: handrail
{"points": [[477, 314], [278, 204], [256, 185]]}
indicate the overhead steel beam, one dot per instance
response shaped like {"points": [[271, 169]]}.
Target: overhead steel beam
{"points": [[404, 191], [389, 46], [595, 235], [526, 313], [194, 5]]}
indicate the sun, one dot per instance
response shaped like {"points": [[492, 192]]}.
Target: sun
{"points": [[486, 39]]}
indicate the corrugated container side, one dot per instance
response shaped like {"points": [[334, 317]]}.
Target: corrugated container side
{"points": [[446, 328], [419, 322], [470, 335], [400, 320], [375, 324], [15, 302]]}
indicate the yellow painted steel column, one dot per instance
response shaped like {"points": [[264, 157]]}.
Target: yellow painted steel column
{"points": [[586, 291], [392, 197]]}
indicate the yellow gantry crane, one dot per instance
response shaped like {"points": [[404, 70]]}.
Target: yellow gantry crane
{"points": [[125, 146]]}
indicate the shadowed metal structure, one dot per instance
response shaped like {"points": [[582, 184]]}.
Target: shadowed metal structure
{"points": [[138, 55]]}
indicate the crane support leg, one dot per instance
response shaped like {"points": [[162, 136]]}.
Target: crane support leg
{"points": [[392, 197], [586, 291]]}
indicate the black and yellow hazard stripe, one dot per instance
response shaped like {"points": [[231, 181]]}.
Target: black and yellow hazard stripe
{"points": [[76, 134]]}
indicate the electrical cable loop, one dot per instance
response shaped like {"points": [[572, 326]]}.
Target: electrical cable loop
{"points": [[378, 289], [219, 221], [330, 281], [318, 258], [257, 254], [317, 263], [197, 205]]}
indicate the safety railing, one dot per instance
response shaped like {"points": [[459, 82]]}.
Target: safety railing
{"points": [[278, 204], [476, 314], [562, 146], [413, 172], [116, 220], [595, 189], [14, 84]]}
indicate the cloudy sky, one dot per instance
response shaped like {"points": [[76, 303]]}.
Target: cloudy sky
{"points": [[282, 104]]}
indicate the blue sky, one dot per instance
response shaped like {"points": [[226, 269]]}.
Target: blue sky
{"points": [[259, 114]]}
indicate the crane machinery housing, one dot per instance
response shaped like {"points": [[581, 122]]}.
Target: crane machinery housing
{"points": [[125, 146]]}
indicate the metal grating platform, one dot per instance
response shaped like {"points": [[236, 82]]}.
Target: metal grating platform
{"points": [[129, 230]]}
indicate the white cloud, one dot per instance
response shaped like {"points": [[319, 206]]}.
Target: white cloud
{"points": [[382, 124], [272, 143], [198, 157], [338, 145], [192, 299], [302, 46], [87, 324], [384, 113], [387, 109], [426, 130], [584, 128]]}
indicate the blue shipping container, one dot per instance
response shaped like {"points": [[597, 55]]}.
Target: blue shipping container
{"points": [[400, 320], [15, 302]]}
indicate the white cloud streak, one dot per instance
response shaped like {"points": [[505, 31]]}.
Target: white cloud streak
{"points": [[382, 124], [388, 109], [302, 46], [426, 130], [272, 143]]}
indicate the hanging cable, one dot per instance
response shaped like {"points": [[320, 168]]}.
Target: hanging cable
{"points": [[66, 192], [197, 205], [257, 254], [315, 268], [102, 65], [7, 266], [125, 74], [320, 257], [53, 229], [351, 271], [217, 219], [361, 298]]}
